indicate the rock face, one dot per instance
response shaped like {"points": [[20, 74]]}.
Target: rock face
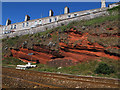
{"points": [[78, 49]]}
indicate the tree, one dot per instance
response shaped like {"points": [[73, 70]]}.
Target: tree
{"points": [[103, 68]]}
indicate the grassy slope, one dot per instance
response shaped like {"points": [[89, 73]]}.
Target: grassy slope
{"points": [[80, 69], [84, 68]]}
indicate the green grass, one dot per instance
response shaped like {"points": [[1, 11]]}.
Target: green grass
{"points": [[105, 18], [11, 61], [101, 19], [84, 68], [43, 33]]}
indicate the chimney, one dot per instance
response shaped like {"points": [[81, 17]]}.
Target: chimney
{"points": [[27, 18], [8, 22], [103, 4], [66, 10], [51, 13]]}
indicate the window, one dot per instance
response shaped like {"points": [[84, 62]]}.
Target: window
{"points": [[75, 15], [35, 22], [11, 27], [23, 24], [14, 26], [50, 20], [27, 24], [55, 19], [69, 16], [40, 22]]}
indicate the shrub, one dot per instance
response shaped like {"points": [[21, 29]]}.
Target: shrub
{"points": [[103, 68], [38, 40], [117, 8], [74, 28]]}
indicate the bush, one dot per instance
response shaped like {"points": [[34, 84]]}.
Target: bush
{"points": [[39, 40], [117, 8], [103, 68]]}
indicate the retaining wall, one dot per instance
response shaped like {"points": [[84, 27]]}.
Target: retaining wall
{"points": [[65, 21]]}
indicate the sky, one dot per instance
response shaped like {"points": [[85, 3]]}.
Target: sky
{"points": [[16, 11], [58, 0]]}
